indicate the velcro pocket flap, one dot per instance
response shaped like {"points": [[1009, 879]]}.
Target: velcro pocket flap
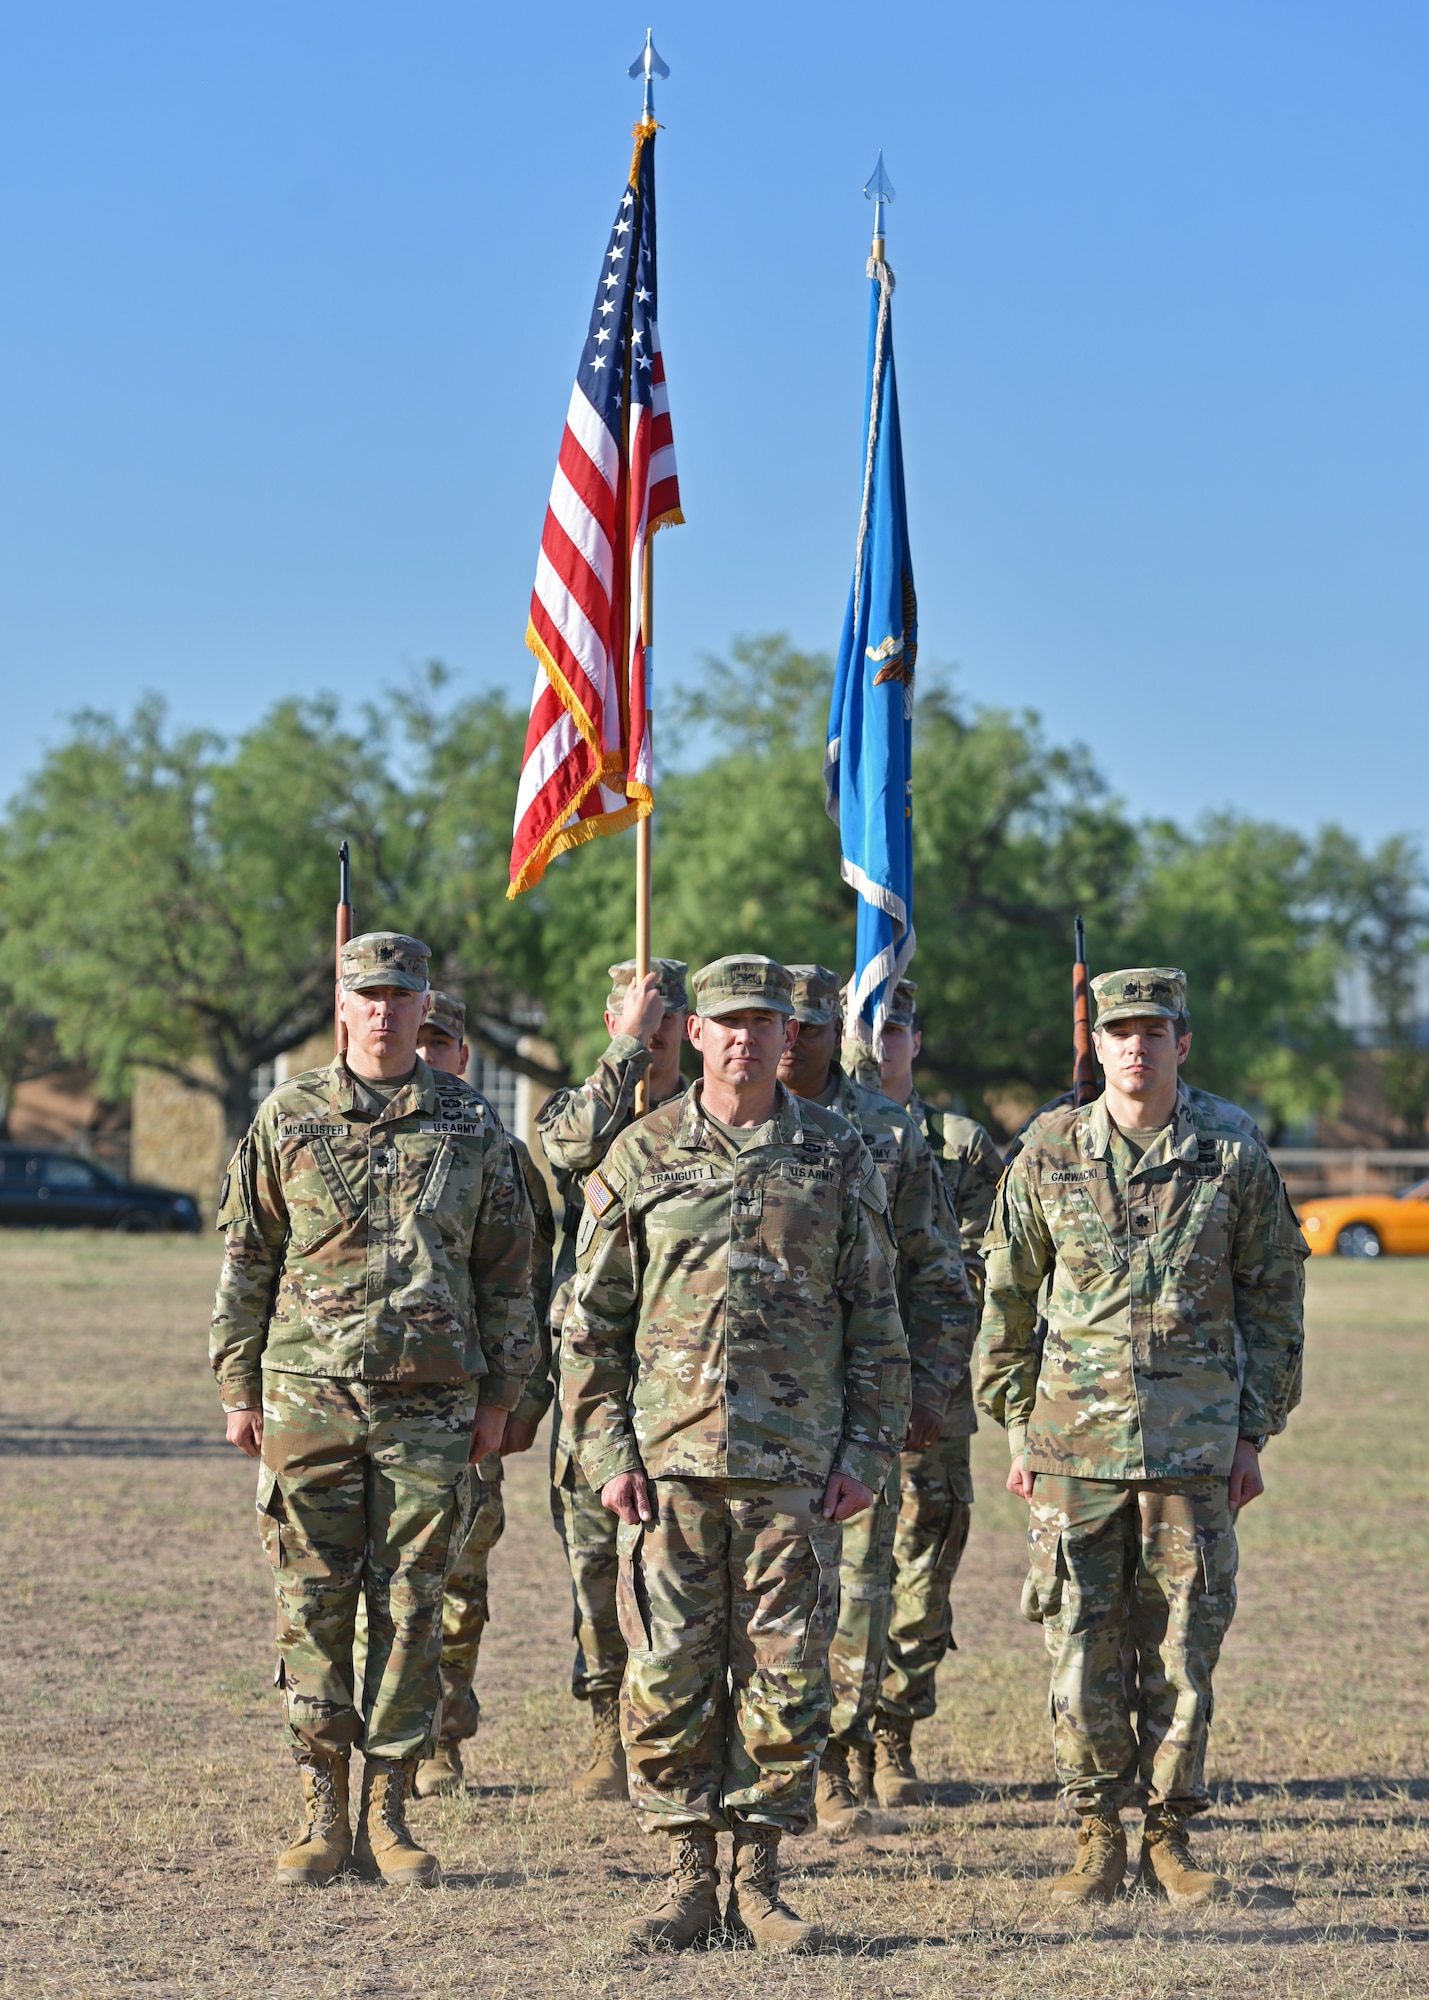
{"points": [[438, 1173], [334, 1180]]}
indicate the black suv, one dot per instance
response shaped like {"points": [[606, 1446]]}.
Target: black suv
{"points": [[58, 1191]]}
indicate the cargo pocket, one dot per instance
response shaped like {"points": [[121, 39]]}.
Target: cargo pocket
{"points": [[826, 1539], [1218, 1561], [271, 1515], [1046, 1574], [632, 1604]]}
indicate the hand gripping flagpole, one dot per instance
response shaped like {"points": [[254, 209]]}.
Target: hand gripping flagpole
{"points": [[647, 65]]}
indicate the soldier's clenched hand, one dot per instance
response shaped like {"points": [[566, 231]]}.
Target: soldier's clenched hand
{"points": [[1246, 1481], [486, 1432], [923, 1428], [845, 1497], [628, 1495], [245, 1429], [1019, 1479], [643, 1008], [519, 1434]]}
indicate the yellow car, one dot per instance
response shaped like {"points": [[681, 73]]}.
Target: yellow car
{"points": [[1369, 1225]]}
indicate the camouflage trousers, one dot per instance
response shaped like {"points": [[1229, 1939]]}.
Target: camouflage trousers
{"points": [[587, 1532], [1133, 1583], [727, 1601], [466, 1607], [934, 1515], [360, 1487], [860, 1639]]}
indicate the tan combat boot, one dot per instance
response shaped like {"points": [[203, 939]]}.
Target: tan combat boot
{"points": [[835, 1806], [1100, 1865], [605, 1778], [325, 1843], [1166, 1864], [895, 1781], [860, 1771], [690, 1910], [385, 1847], [756, 1909], [441, 1773]]}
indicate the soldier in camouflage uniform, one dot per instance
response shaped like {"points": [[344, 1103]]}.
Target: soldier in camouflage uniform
{"points": [[935, 1504], [938, 1317], [735, 1377], [646, 1022], [1175, 1330], [372, 1329], [466, 1604]]}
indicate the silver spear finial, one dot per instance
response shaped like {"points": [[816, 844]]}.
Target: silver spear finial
{"points": [[878, 189], [649, 65]]}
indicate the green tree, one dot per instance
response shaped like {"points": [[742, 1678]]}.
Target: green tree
{"points": [[167, 903], [1239, 905], [1378, 910]]}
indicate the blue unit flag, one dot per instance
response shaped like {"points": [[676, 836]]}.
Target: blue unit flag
{"points": [[868, 764]]}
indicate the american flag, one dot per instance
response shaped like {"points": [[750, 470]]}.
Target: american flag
{"points": [[587, 768]]}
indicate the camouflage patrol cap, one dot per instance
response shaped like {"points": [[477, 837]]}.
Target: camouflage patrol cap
{"points": [[746, 980], [384, 958], [816, 995], [903, 1007], [448, 1015], [1140, 990], [672, 971]]}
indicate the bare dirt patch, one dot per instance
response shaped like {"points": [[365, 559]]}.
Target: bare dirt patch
{"points": [[147, 1787]]}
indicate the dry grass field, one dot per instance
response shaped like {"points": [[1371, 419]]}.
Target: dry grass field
{"points": [[146, 1788]]}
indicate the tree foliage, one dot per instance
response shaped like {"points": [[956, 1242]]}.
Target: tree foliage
{"points": [[168, 897]]}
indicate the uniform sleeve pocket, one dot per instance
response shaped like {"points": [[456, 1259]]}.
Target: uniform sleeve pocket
{"points": [[233, 1196], [632, 1604]]}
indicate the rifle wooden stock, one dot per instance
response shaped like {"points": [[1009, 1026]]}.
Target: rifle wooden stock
{"points": [[1084, 1068], [344, 932]]}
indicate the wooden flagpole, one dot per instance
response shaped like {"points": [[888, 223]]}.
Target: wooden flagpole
{"points": [[642, 825]]}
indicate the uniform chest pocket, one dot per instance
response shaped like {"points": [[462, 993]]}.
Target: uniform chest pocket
{"points": [[1089, 1249], [1199, 1237], [321, 1196]]}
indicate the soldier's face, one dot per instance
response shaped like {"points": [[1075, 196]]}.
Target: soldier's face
{"points": [[1140, 1055], [382, 1027], [900, 1048], [804, 1065], [743, 1048], [442, 1051]]}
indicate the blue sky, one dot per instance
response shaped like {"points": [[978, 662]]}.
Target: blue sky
{"points": [[294, 296]]}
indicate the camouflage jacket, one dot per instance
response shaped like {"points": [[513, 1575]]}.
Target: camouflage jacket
{"points": [[391, 1248], [971, 1167], [1175, 1317], [577, 1127], [934, 1295], [538, 1391], [734, 1314]]}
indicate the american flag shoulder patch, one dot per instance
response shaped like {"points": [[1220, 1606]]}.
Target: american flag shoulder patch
{"points": [[599, 1197]]}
